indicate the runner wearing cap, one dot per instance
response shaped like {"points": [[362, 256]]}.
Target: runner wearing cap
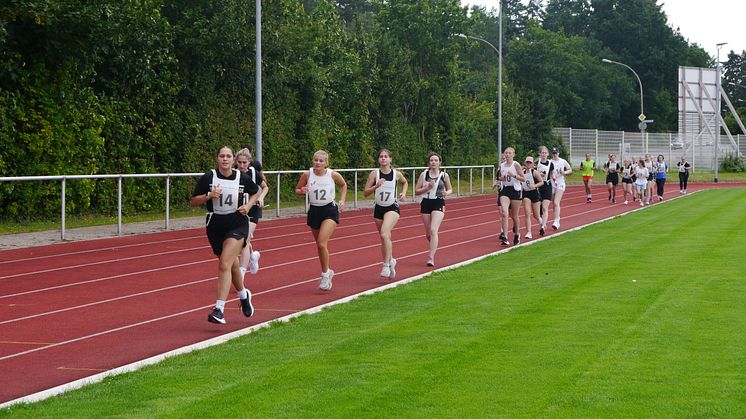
{"points": [[561, 169]]}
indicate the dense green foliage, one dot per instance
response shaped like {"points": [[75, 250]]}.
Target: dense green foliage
{"points": [[159, 86]]}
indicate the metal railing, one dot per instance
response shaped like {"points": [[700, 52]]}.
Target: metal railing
{"points": [[277, 175], [700, 151]]}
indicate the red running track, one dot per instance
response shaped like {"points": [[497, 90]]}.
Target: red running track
{"points": [[74, 310]]}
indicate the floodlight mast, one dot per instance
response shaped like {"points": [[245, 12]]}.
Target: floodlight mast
{"points": [[716, 143]]}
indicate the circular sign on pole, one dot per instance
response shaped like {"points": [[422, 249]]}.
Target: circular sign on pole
{"points": [[642, 126]]}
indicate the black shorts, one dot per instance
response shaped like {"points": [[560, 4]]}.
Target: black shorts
{"points": [[532, 195], [429, 205], [546, 192], [221, 227], [379, 211], [612, 178], [317, 215], [511, 193], [627, 180], [255, 214]]}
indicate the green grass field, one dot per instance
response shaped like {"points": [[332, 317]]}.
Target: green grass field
{"points": [[640, 316]]}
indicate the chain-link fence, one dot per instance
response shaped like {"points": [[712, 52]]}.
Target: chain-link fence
{"points": [[700, 151]]}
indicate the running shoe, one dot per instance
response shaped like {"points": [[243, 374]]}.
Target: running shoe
{"points": [[216, 316], [504, 241], [246, 307], [392, 268], [516, 239], [556, 226], [386, 270], [528, 236], [430, 262], [326, 280], [254, 262], [541, 231]]}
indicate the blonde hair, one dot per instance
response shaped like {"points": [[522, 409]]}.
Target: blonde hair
{"points": [[244, 152], [323, 154]]}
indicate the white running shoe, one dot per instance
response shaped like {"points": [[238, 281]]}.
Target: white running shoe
{"points": [[254, 262], [556, 225], [326, 280], [385, 270], [642, 203], [626, 202], [392, 268], [528, 236]]}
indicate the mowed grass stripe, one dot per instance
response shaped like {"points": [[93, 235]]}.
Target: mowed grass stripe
{"points": [[640, 316]]}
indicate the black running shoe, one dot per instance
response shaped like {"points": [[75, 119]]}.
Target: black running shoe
{"points": [[516, 239], [504, 241], [246, 307], [216, 317], [502, 237], [541, 231]]}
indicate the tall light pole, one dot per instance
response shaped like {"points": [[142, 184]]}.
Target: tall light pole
{"points": [[258, 99], [643, 121], [499, 83], [716, 143]]}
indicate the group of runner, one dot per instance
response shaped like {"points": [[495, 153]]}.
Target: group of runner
{"points": [[234, 197], [639, 176]]}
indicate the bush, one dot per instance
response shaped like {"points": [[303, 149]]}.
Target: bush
{"points": [[733, 163]]}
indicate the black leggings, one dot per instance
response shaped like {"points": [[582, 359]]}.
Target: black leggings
{"points": [[660, 183], [683, 179]]}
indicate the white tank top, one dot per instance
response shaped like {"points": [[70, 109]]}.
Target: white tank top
{"points": [[530, 181], [386, 194], [227, 202], [433, 193], [544, 170], [320, 188], [509, 175]]}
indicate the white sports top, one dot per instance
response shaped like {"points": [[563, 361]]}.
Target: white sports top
{"points": [[642, 174], [509, 175], [530, 182], [386, 194], [227, 202], [560, 165], [439, 185], [320, 188]]}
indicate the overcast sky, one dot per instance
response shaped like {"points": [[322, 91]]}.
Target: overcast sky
{"points": [[703, 22]]}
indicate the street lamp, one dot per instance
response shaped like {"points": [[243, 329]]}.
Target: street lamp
{"points": [[716, 143], [258, 98], [499, 83], [643, 122]]}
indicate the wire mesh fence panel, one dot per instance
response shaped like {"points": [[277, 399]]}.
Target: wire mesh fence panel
{"points": [[699, 150]]}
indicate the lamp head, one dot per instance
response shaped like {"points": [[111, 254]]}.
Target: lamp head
{"points": [[604, 60]]}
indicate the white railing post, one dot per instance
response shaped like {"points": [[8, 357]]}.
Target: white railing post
{"points": [[119, 205], [355, 192], [277, 208], [483, 180], [168, 202], [62, 201], [458, 182]]}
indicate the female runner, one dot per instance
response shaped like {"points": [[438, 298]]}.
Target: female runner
{"points": [[382, 182], [227, 226], [318, 184]]}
